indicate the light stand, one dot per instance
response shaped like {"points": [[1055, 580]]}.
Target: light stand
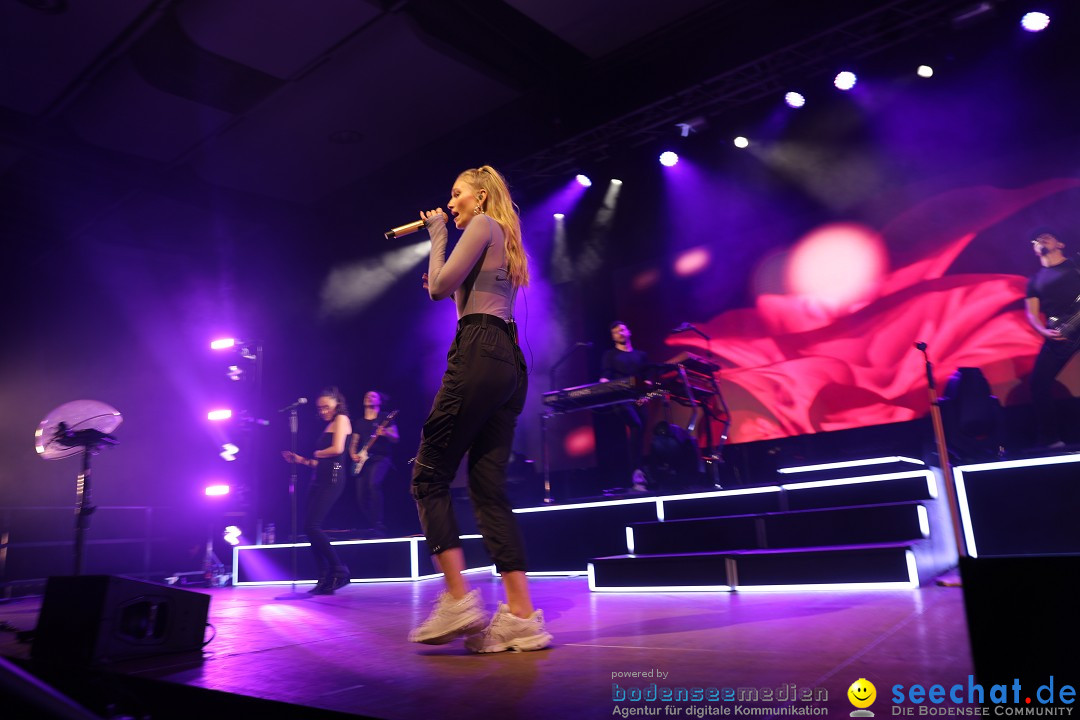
{"points": [[92, 441], [78, 426]]}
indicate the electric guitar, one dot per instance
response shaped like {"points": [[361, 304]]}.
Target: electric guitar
{"points": [[1070, 326], [363, 454]]}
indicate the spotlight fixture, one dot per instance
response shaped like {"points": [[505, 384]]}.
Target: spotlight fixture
{"points": [[558, 216], [616, 181], [229, 452], [925, 71], [216, 490], [584, 181], [741, 142], [794, 99], [234, 373], [221, 414], [232, 535], [668, 158], [845, 80], [222, 343], [690, 126], [1035, 21]]}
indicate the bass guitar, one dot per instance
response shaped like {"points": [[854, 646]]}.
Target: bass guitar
{"points": [[358, 465]]}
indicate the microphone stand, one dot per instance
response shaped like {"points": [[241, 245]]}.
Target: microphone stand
{"points": [[943, 453], [564, 358], [294, 427]]}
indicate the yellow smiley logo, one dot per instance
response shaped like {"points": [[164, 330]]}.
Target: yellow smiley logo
{"points": [[862, 693]]}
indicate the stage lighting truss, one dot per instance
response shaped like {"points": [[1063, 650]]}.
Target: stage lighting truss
{"points": [[874, 31]]}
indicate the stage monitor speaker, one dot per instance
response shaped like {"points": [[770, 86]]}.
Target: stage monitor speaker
{"points": [[1021, 614], [99, 619]]}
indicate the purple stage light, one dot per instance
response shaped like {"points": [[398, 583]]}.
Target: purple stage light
{"points": [[584, 180], [216, 490], [741, 142], [668, 158], [222, 343], [794, 99], [558, 216], [229, 452], [1035, 21], [845, 80], [925, 71], [217, 415]]}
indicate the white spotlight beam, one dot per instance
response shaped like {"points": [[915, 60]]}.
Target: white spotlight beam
{"points": [[350, 289]]}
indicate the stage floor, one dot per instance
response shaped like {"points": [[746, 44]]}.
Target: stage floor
{"points": [[348, 652]]}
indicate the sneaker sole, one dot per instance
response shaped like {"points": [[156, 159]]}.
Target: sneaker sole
{"points": [[527, 644], [470, 627]]}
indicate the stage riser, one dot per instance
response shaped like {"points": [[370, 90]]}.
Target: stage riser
{"points": [[841, 526], [565, 539], [797, 497], [747, 570], [369, 560], [706, 570], [1025, 510], [897, 490]]}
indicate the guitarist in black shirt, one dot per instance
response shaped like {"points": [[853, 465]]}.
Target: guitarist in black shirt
{"points": [[370, 452], [1054, 293]]}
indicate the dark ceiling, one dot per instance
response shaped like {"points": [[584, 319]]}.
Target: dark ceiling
{"points": [[300, 101]]}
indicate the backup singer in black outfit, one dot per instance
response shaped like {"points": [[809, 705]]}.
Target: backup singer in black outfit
{"points": [[329, 461], [1053, 292], [475, 411], [374, 462]]}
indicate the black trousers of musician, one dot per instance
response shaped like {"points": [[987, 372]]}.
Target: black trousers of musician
{"points": [[1051, 360], [325, 490], [475, 411], [369, 490]]}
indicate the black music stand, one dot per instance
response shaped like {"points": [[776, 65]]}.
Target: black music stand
{"points": [[74, 427]]}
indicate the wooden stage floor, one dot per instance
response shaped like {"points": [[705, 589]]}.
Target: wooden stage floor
{"points": [[348, 652]]}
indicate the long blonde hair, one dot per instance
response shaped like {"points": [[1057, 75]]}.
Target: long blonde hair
{"points": [[503, 211]]}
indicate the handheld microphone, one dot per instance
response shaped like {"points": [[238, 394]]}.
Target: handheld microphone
{"points": [[290, 406], [403, 230], [683, 328]]}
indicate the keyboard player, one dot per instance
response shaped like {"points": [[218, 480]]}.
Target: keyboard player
{"points": [[623, 361]]}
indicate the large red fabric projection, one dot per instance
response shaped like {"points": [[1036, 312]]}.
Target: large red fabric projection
{"points": [[793, 364]]}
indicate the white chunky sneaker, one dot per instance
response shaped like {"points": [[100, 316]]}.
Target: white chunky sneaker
{"points": [[449, 619], [509, 632]]}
